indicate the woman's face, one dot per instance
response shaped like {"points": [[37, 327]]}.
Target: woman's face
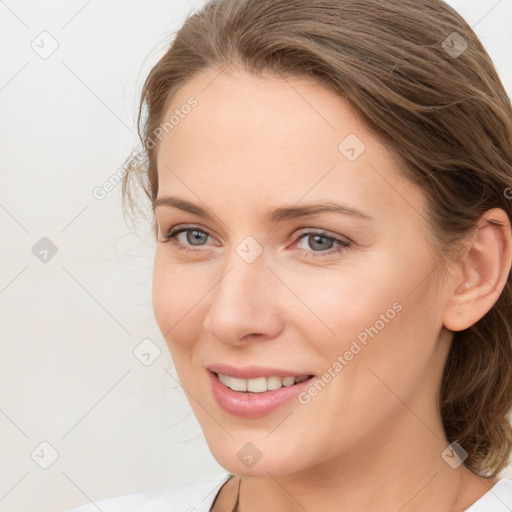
{"points": [[267, 283]]}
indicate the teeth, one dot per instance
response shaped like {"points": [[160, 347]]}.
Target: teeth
{"points": [[238, 384], [261, 384], [288, 381], [257, 385], [274, 383]]}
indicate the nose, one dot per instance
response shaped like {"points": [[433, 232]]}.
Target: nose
{"points": [[243, 305]]}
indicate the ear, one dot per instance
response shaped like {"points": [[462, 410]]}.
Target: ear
{"points": [[483, 271]]}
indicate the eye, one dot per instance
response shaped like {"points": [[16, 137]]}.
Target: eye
{"points": [[192, 237], [319, 243], [322, 244]]}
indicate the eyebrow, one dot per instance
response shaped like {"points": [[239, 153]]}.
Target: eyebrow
{"points": [[273, 216]]}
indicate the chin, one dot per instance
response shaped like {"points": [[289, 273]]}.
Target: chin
{"points": [[249, 454]]}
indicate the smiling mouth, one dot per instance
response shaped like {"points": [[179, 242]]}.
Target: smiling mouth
{"points": [[260, 384]]}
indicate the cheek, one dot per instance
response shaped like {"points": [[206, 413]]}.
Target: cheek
{"points": [[345, 301], [378, 315], [163, 294], [174, 295], [386, 337]]}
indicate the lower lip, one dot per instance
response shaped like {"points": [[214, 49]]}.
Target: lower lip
{"points": [[253, 405]]}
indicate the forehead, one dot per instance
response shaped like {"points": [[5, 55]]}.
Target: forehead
{"points": [[268, 112], [284, 136]]}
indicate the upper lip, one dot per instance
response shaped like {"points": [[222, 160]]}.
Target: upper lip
{"points": [[253, 372]]}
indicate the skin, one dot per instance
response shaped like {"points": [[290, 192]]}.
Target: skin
{"points": [[372, 438]]}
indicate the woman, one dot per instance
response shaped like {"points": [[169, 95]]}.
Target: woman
{"points": [[331, 183]]}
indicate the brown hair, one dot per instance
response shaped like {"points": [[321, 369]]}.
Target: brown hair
{"points": [[419, 76]]}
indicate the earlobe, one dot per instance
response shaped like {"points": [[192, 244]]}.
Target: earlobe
{"points": [[484, 270]]}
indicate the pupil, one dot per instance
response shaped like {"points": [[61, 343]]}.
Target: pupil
{"points": [[317, 239], [195, 236]]}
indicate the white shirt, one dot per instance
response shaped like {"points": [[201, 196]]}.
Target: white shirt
{"points": [[198, 496]]}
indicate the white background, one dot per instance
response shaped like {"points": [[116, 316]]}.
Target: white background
{"points": [[68, 374]]}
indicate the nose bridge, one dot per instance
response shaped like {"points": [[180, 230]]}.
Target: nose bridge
{"points": [[241, 303]]}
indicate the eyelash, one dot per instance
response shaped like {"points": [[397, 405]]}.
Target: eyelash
{"points": [[342, 247]]}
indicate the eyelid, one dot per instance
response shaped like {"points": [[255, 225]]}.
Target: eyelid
{"points": [[179, 228], [343, 243], [323, 232]]}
